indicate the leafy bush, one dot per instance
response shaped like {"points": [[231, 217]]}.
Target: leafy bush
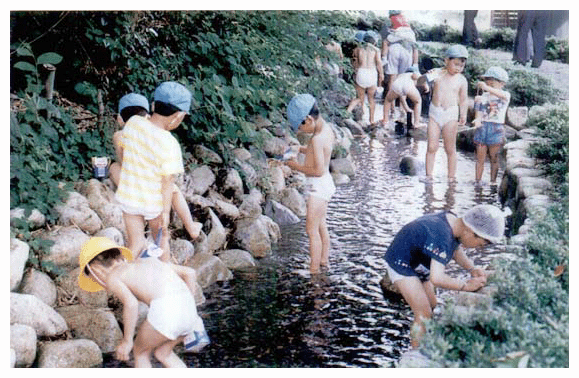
{"points": [[436, 33], [528, 89], [498, 38], [557, 49], [46, 148], [553, 124]]}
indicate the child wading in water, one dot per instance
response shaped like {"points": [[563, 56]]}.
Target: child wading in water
{"points": [[166, 288], [447, 109], [304, 115], [418, 254], [491, 109]]}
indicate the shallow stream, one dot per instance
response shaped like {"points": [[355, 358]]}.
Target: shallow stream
{"points": [[276, 316]]}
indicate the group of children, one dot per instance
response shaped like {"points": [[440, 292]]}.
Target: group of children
{"points": [[417, 256], [149, 158]]}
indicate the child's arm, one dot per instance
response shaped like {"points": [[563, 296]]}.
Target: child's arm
{"points": [[463, 101], [378, 61], [118, 145], [462, 259], [187, 274], [440, 279], [494, 91], [317, 169], [405, 104], [130, 314], [167, 185]]}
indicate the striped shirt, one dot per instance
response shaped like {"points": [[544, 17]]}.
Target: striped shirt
{"points": [[149, 154]]}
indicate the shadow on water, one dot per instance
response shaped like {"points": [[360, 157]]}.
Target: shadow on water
{"points": [[273, 316]]}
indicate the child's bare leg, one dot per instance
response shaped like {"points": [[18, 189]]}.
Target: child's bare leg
{"points": [[417, 101], [325, 235], [359, 100], [415, 294], [180, 206], [371, 103], [147, 340], [449, 138], [115, 173], [494, 158], [391, 96], [135, 226], [156, 224], [481, 154], [433, 132], [167, 356], [315, 213]]}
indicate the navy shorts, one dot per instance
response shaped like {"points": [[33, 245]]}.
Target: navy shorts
{"points": [[490, 133]]}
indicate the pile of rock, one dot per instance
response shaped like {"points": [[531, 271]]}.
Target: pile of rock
{"points": [[241, 205]]}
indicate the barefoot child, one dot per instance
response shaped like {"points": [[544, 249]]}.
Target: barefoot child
{"points": [[136, 104], [166, 288], [418, 254], [405, 87], [448, 109], [304, 115], [151, 160], [491, 109]]}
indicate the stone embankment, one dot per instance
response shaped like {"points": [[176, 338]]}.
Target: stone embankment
{"points": [[53, 323]]}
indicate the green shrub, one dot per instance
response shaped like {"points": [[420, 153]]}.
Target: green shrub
{"points": [[498, 38], [437, 33], [557, 49], [553, 124], [528, 89]]}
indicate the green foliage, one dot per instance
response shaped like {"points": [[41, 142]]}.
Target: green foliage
{"points": [[553, 124], [45, 145], [557, 49], [528, 89], [498, 39], [436, 33]]}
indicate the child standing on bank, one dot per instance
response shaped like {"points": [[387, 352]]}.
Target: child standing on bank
{"points": [[151, 160], [447, 109], [490, 112], [304, 116], [136, 104], [166, 288], [417, 257]]}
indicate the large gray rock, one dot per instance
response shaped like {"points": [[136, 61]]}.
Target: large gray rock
{"points": [[69, 354], [251, 205], [19, 251], [209, 269], [343, 165], [39, 284], [112, 233], [517, 117], [529, 186], [279, 213], [233, 183], [223, 206], [354, 127], [411, 166], [29, 310], [237, 259], [293, 200], [198, 181], [101, 199], [206, 156], [247, 171], [23, 342], [66, 248], [36, 219], [217, 236], [68, 292], [181, 250], [98, 325], [276, 181], [76, 211], [256, 235]]}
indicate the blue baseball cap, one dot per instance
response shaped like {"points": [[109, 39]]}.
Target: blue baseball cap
{"points": [[133, 99], [456, 51], [171, 92], [497, 73], [298, 109]]}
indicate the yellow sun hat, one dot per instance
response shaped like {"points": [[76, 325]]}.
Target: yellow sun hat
{"points": [[89, 250]]}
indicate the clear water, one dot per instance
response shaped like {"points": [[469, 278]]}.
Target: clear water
{"points": [[272, 316]]}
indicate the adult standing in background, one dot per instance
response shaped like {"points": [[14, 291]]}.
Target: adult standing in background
{"points": [[535, 22], [469, 31]]}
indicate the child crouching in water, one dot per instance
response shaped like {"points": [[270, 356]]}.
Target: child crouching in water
{"points": [[491, 109], [166, 288], [405, 86]]}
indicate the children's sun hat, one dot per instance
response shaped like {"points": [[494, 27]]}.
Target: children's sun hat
{"points": [[298, 109], [394, 12], [133, 99], [497, 73], [89, 250], [487, 221], [174, 93], [456, 51]]}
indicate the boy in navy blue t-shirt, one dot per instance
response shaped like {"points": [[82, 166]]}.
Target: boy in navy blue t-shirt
{"points": [[417, 256]]}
